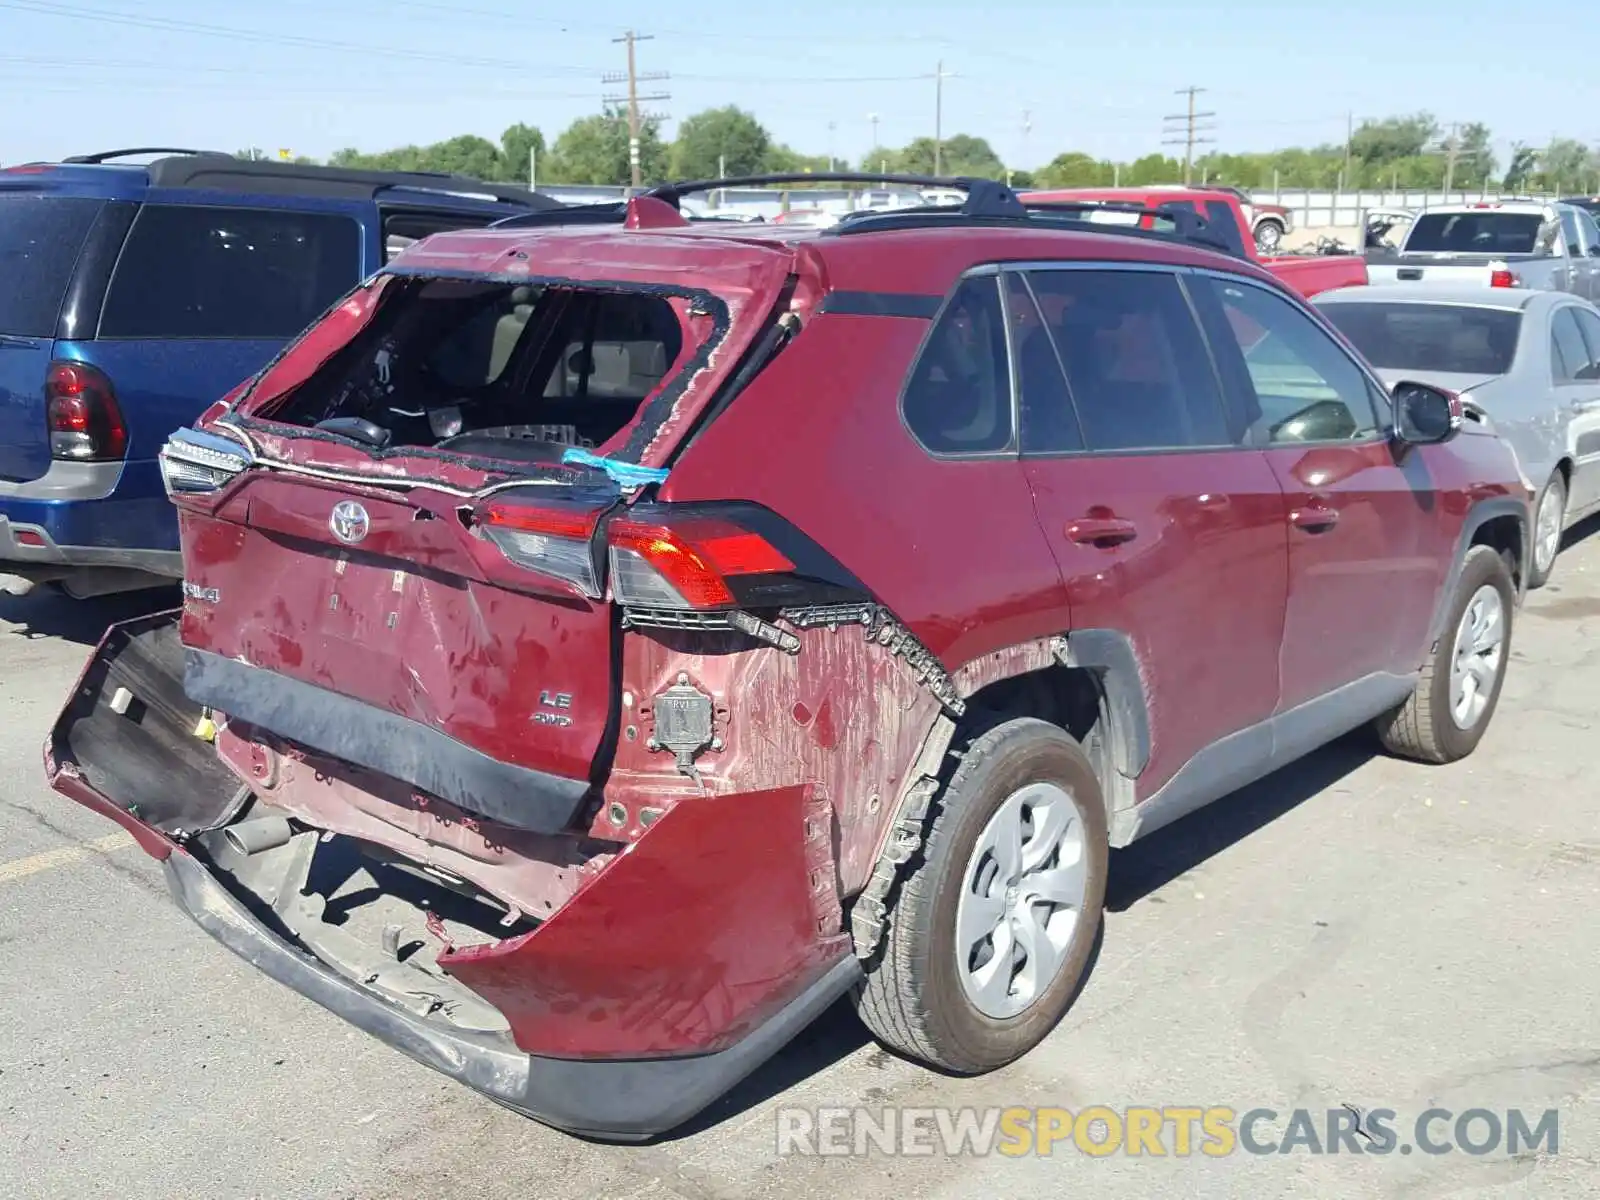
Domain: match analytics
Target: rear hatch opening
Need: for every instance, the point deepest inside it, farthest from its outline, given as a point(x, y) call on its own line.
point(509, 373)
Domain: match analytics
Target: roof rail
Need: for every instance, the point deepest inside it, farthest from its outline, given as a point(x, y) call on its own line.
point(672, 192)
point(607, 212)
point(1187, 227)
point(224, 172)
point(988, 203)
point(108, 155)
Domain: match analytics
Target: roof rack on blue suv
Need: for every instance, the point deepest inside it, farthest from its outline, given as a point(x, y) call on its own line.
point(137, 294)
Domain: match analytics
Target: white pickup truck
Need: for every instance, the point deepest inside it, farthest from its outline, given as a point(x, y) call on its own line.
point(1523, 243)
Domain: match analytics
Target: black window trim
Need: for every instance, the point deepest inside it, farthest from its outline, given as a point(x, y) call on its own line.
point(1384, 422)
point(1178, 271)
point(111, 278)
point(989, 271)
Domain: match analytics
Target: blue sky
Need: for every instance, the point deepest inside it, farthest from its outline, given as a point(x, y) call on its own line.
point(315, 75)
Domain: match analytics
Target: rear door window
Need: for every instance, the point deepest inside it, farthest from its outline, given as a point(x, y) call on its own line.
point(40, 237)
point(1136, 365)
point(212, 272)
point(1569, 354)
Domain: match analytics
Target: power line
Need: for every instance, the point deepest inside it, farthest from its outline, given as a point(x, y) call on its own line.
point(233, 34)
point(1191, 128)
point(634, 99)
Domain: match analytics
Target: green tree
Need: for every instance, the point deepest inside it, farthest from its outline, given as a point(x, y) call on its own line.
point(720, 140)
point(1565, 165)
point(1075, 169)
point(519, 146)
point(594, 150)
point(1153, 168)
point(1392, 138)
point(961, 154)
point(1524, 159)
point(1477, 164)
point(879, 158)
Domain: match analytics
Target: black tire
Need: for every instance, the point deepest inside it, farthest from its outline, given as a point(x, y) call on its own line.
point(1423, 728)
point(1556, 492)
point(913, 999)
point(1269, 237)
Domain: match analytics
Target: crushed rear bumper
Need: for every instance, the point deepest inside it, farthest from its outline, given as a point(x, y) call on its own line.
point(679, 965)
point(607, 1099)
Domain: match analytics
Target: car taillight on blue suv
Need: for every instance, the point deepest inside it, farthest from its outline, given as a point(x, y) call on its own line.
point(86, 424)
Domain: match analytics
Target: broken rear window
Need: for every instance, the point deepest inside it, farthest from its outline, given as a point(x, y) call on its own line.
point(502, 370)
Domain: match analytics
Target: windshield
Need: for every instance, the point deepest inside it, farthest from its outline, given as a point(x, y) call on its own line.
point(1477, 232)
point(1457, 338)
point(40, 237)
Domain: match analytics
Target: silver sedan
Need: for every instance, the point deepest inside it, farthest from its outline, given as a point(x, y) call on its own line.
point(1530, 360)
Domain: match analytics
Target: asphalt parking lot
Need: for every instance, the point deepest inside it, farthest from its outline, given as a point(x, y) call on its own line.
point(1353, 930)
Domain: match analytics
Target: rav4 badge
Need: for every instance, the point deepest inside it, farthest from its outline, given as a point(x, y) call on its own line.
point(349, 522)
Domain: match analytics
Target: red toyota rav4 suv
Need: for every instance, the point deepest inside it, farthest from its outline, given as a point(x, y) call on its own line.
point(606, 641)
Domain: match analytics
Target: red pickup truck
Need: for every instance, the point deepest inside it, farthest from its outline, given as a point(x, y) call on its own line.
point(1308, 274)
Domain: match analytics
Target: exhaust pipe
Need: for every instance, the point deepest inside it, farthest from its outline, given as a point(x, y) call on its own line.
point(255, 836)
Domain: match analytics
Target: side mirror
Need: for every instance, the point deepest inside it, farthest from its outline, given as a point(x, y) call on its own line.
point(1425, 415)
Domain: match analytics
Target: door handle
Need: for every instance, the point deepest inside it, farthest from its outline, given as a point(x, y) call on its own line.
point(1315, 518)
point(1104, 532)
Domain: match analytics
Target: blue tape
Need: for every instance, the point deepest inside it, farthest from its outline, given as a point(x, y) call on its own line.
point(624, 474)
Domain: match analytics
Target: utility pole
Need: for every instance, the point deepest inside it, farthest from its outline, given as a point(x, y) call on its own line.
point(832, 127)
point(1027, 128)
point(633, 99)
point(1452, 151)
point(872, 119)
point(1349, 141)
point(939, 76)
point(1186, 129)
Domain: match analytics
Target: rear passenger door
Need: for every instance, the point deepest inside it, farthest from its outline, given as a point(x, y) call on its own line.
point(1364, 527)
point(205, 293)
point(1165, 527)
point(1575, 366)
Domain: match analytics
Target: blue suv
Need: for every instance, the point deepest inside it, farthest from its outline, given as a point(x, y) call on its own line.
point(133, 296)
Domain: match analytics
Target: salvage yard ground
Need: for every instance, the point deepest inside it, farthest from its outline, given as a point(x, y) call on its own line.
point(1354, 929)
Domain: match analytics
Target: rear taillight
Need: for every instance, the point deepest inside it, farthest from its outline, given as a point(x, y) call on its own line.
point(195, 462)
point(85, 422)
point(687, 564)
point(555, 540)
point(664, 558)
point(1502, 278)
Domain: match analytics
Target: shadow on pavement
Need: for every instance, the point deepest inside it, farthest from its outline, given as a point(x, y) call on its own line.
point(48, 613)
point(1164, 855)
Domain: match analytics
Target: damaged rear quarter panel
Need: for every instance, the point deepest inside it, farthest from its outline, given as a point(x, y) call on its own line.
point(844, 718)
point(683, 944)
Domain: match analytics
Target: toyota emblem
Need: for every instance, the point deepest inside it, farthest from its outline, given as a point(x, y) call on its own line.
point(349, 522)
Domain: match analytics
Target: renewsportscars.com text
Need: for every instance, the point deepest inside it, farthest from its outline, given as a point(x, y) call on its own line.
point(1171, 1130)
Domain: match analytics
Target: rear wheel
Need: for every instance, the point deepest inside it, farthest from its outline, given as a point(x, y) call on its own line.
point(1269, 237)
point(994, 927)
point(1549, 518)
point(1446, 716)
